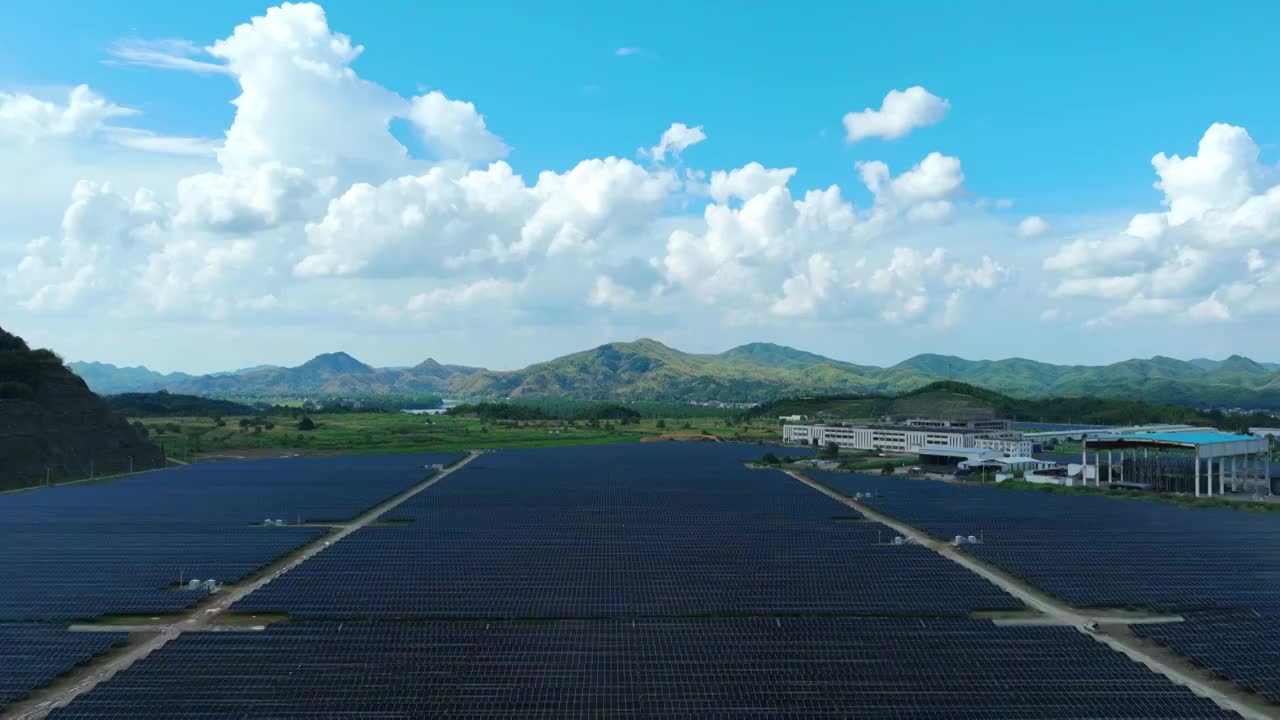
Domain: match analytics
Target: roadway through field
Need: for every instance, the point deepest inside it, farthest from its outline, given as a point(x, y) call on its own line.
point(1106, 628)
point(82, 680)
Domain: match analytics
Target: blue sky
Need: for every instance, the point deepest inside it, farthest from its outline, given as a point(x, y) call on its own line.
point(1057, 109)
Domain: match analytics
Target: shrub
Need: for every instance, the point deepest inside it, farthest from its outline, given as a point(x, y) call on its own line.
point(14, 390)
point(306, 423)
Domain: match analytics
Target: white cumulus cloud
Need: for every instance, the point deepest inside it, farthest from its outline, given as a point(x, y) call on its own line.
point(747, 181)
point(675, 140)
point(309, 207)
point(1033, 227)
point(454, 129)
point(1222, 205)
point(26, 118)
point(901, 112)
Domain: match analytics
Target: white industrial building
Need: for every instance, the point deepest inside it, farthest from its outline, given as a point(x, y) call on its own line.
point(947, 455)
point(904, 440)
point(1006, 443)
point(1009, 464)
point(977, 424)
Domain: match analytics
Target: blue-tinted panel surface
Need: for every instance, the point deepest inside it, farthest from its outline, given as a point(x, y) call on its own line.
point(1096, 551)
point(662, 529)
point(78, 551)
point(1244, 648)
point(1220, 567)
point(33, 655)
point(727, 668)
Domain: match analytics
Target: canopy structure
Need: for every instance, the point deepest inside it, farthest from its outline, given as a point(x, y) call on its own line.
point(1177, 461)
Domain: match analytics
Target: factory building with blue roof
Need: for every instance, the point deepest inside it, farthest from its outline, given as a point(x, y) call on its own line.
point(1201, 461)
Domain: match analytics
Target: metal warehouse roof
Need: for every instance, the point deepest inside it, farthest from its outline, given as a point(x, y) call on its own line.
point(953, 450)
point(1208, 443)
point(1185, 438)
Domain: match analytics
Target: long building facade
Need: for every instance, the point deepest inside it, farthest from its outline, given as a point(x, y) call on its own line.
point(905, 439)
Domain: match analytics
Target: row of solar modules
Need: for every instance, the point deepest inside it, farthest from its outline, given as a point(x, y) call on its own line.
point(639, 530)
point(1217, 566)
point(1096, 551)
point(123, 547)
point(1241, 647)
point(32, 656)
point(293, 489)
point(129, 546)
point(84, 575)
point(763, 667)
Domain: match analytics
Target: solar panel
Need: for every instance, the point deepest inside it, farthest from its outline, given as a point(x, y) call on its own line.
point(650, 668)
point(648, 580)
point(1218, 566)
point(32, 656)
point(668, 529)
point(126, 546)
point(1241, 647)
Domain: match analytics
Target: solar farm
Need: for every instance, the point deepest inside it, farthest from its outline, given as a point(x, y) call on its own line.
point(646, 580)
point(1218, 568)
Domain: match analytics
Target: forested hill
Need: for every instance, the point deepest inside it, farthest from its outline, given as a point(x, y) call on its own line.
point(950, 399)
point(52, 426)
point(647, 370)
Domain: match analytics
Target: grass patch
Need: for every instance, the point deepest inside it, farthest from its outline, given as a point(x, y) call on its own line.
point(116, 620)
point(1023, 614)
point(877, 463)
point(394, 432)
point(239, 618)
point(1188, 501)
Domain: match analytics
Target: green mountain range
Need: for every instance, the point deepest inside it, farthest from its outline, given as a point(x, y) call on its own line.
point(647, 370)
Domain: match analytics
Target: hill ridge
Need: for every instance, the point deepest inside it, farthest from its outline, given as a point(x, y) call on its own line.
point(647, 369)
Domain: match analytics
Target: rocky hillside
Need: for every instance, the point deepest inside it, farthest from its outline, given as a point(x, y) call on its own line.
point(52, 426)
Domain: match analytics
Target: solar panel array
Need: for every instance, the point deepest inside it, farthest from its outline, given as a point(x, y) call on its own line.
point(31, 656)
point(1241, 647)
point(79, 551)
point(659, 530)
point(1095, 551)
point(121, 547)
point(656, 580)
point(645, 668)
point(1218, 566)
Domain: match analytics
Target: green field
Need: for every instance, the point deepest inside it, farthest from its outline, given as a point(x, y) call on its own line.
point(393, 432)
